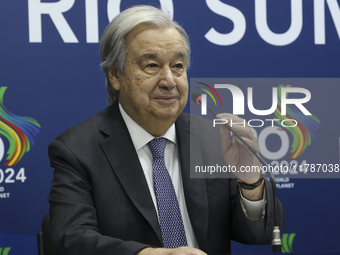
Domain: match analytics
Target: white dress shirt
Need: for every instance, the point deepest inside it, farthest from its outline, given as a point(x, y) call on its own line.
point(140, 138)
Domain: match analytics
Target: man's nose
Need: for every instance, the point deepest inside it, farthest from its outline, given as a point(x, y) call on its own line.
point(167, 80)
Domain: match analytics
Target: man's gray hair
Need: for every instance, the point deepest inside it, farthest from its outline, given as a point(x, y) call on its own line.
point(112, 44)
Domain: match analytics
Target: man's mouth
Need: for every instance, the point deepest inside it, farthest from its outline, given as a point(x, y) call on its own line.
point(166, 99)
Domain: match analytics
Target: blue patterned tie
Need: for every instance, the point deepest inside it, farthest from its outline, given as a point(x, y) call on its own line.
point(169, 214)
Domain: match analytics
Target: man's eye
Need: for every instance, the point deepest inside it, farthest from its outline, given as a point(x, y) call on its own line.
point(152, 65)
point(178, 66)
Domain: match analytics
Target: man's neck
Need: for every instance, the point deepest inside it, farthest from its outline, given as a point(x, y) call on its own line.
point(154, 126)
point(140, 136)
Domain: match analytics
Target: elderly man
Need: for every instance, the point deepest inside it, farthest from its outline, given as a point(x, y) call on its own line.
point(121, 181)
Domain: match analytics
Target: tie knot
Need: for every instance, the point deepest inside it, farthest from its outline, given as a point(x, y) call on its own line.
point(157, 147)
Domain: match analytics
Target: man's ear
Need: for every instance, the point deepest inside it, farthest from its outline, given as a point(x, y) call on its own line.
point(114, 78)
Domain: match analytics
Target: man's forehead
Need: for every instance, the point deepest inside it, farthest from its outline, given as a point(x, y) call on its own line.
point(155, 55)
point(144, 36)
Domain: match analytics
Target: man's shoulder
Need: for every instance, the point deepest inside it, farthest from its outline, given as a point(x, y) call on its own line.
point(90, 127)
point(195, 122)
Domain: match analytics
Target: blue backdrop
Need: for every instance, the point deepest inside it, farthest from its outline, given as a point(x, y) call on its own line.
point(50, 66)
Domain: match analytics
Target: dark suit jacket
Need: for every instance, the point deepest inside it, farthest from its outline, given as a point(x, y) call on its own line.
point(100, 202)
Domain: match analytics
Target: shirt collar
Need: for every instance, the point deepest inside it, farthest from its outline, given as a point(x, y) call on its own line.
point(140, 136)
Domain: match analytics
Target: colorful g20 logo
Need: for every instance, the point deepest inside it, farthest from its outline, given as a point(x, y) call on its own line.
point(18, 131)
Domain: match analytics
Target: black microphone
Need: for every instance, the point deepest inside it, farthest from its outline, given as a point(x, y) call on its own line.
point(196, 96)
point(276, 242)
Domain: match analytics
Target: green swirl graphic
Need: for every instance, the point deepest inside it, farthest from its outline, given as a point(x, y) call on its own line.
point(6, 251)
point(287, 242)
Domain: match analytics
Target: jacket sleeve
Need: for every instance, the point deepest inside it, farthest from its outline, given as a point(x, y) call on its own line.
point(248, 231)
point(73, 216)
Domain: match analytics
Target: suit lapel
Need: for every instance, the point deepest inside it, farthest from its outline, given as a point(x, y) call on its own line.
point(194, 189)
point(118, 145)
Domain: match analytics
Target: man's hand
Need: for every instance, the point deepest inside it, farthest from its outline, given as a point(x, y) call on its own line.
point(178, 251)
point(234, 151)
point(237, 154)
